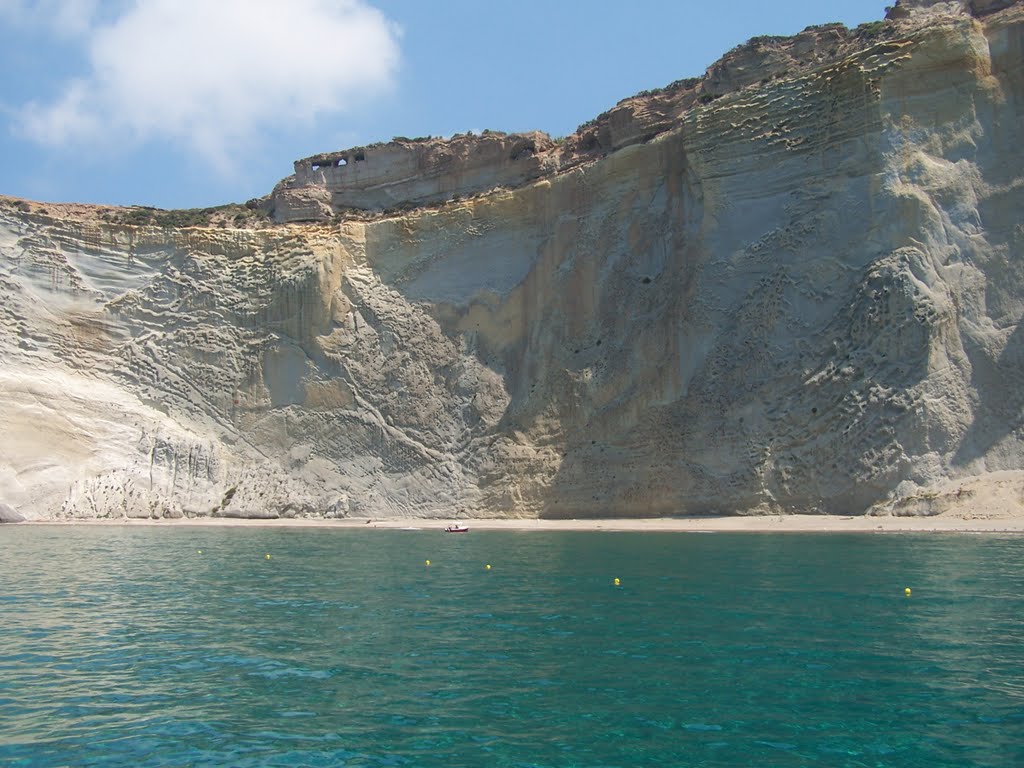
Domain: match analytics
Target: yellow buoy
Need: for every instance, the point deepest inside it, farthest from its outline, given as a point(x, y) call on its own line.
point(616, 582)
point(267, 556)
point(199, 551)
point(487, 567)
point(426, 562)
point(907, 591)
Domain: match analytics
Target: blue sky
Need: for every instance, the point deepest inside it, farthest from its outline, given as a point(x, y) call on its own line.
point(192, 103)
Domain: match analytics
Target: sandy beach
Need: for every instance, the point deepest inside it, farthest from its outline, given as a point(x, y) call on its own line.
point(945, 523)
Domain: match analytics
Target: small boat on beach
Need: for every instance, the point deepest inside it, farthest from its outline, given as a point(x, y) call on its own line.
point(456, 528)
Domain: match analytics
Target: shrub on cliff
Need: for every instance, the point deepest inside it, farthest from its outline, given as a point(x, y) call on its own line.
point(872, 30)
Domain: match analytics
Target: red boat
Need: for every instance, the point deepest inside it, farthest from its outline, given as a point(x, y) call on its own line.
point(456, 528)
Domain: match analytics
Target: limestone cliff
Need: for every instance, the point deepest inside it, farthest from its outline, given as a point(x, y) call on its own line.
point(793, 285)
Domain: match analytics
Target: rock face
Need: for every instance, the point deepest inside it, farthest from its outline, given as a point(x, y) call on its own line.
point(802, 294)
point(8, 515)
point(405, 173)
point(409, 173)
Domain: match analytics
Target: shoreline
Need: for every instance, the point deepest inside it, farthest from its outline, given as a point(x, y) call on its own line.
point(945, 523)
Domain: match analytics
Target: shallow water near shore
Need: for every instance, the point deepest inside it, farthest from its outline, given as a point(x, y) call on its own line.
point(130, 647)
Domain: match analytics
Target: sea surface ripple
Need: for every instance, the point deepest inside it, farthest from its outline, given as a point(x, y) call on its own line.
point(192, 647)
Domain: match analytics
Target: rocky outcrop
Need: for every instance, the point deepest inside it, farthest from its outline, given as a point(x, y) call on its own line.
point(410, 173)
point(801, 295)
point(9, 515)
point(407, 173)
point(904, 9)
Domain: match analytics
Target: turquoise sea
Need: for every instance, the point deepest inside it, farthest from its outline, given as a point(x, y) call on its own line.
point(127, 647)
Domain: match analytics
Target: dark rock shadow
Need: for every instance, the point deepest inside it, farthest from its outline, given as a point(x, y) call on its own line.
point(9, 515)
point(1000, 387)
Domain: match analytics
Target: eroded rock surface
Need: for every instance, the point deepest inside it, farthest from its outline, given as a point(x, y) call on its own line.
point(803, 294)
point(9, 515)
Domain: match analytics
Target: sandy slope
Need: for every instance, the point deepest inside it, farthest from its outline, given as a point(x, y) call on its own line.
point(946, 523)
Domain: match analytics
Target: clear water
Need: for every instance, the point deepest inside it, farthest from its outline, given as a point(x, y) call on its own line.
point(126, 647)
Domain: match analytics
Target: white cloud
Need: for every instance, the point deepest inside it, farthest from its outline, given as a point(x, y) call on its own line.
point(65, 18)
point(212, 75)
